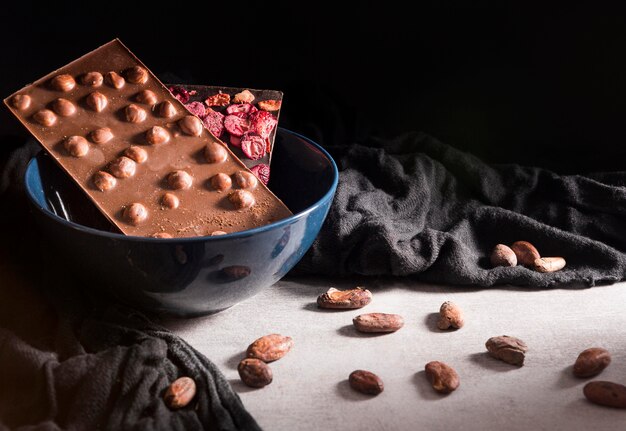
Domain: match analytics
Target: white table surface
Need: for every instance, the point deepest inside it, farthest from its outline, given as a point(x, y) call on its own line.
point(310, 389)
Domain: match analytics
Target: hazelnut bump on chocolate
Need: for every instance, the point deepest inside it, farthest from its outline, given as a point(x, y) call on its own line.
point(114, 80)
point(45, 117)
point(166, 109)
point(122, 167)
point(92, 79)
point(190, 125)
point(241, 199)
point(21, 102)
point(170, 201)
point(161, 235)
point(135, 113)
point(63, 83)
point(214, 152)
point(135, 213)
point(245, 180)
point(179, 180)
point(221, 182)
point(101, 135)
point(136, 75)
point(97, 101)
point(104, 181)
point(136, 153)
point(157, 135)
point(76, 146)
point(63, 107)
point(147, 97)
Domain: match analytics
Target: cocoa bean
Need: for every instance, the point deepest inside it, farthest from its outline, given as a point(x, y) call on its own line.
point(607, 394)
point(270, 347)
point(344, 299)
point(548, 264)
point(450, 315)
point(502, 255)
point(366, 382)
point(180, 393)
point(442, 377)
point(591, 362)
point(255, 373)
point(378, 322)
point(525, 252)
point(507, 349)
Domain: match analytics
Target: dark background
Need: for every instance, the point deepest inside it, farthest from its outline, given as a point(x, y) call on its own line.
point(542, 87)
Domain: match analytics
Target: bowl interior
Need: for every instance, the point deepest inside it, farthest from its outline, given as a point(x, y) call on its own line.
point(301, 175)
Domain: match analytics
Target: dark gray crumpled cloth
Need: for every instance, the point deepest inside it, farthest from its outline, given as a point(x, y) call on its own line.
point(415, 206)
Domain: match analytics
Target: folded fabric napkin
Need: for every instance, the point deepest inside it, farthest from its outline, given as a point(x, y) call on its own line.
point(415, 206)
point(72, 359)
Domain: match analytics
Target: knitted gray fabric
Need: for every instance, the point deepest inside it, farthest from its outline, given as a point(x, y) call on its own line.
point(415, 206)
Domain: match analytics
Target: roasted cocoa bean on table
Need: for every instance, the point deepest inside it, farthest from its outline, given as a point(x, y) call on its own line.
point(507, 349)
point(607, 394)
point(270, 347)
point(366, 382)
point(344, 299)
point(450, 315)
point(378, 322)
point(591, 362)
point(442, 377)
point(255, 373)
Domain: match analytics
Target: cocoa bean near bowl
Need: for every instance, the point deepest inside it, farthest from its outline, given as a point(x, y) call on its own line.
point(607, 394)
point(344, 299)
point(366, 382)
point(591, 362)
point(525, 252)
point(270, 347)
point(508, 349)
point(443, 378)
point(303, 176)
point(255, 373)
point(180, 393)
point(378, 322)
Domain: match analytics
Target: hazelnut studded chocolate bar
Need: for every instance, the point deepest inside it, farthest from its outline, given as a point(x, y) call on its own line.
point(150, 166)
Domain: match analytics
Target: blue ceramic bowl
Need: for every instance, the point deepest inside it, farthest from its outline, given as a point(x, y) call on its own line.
point(188, 276)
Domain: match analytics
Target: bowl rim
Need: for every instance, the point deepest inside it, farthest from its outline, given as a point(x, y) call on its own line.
point(241, 234)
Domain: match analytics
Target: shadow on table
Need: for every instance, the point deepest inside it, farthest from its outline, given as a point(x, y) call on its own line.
point(239, 387)
point(344, 390)
point(424, 387)
point(350, 331)
point(567, 379)
point(486, 361)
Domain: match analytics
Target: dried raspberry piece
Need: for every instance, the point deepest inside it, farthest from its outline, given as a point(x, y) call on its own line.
point(196, 108)
point(245, 108)
point(214, 122)
point(262, 123)
point(219, 99)
point(235, 141)
point(180, 93)
point(236, 125)
point(268, 145)
point(262, 172)
point(270, 105)
point(253, 146)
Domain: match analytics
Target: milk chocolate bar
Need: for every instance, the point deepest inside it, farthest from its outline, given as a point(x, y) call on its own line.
point(244, 118)
point(148, 164)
